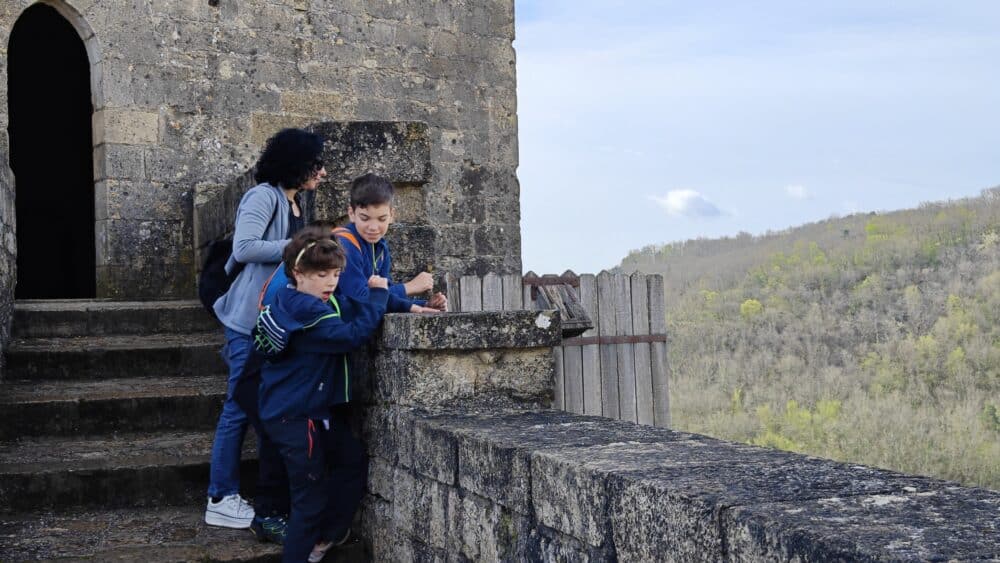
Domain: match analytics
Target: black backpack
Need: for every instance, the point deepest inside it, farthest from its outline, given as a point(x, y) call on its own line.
point(214, 282)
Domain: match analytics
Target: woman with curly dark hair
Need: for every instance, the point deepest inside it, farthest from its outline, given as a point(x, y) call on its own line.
point(267, 216)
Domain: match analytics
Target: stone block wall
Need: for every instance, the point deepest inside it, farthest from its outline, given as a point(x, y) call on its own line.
point(186, 92)
point(8, 244)
point(457, 475)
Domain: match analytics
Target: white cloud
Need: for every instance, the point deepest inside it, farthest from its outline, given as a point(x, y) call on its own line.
point(797, 192)
point(687, 202)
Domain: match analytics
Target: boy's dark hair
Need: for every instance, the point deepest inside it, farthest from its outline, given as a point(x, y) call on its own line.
point(312, 250)
point(289, 158)
point(370, 189)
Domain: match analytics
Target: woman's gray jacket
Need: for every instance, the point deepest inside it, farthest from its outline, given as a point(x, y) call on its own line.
point(260, 250)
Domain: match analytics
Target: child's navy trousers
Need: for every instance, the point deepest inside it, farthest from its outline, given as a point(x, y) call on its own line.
point(327, 469)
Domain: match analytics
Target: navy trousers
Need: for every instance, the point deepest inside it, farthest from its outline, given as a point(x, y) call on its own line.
point(327, 470)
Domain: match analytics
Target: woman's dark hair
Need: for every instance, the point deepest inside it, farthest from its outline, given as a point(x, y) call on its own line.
point(289, 158)
point(312, 250)
point(370, 189)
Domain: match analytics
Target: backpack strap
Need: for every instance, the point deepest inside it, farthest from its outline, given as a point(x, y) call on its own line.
point(263, 290)
point(346, 234)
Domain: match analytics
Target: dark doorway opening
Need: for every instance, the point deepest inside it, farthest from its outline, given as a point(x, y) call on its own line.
point(51, 154)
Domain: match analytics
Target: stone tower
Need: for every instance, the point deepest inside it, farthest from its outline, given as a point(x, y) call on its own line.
point(179, 96)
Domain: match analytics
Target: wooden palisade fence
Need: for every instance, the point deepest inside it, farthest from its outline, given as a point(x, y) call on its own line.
point(618, 369)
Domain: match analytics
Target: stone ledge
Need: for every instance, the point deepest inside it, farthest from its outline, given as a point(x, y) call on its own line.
point(589, 487)
point(471, 331)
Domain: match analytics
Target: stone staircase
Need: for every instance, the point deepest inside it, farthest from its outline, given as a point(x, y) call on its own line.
point(107, 414)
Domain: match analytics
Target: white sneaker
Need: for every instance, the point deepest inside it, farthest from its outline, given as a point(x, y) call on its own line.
point(230, 512)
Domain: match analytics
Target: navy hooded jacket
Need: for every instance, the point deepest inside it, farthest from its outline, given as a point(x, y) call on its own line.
point(312, 373)
point(372, 259)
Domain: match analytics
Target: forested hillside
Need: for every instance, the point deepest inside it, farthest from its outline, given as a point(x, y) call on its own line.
point(873, 338)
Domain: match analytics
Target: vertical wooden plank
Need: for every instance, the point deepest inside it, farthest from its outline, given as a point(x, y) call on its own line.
point(471, 293)
point(572, 365)
point(643, 373)
point(609, 355)
point(573, 378)
point(492, 292)
point(513, 294)
point(526, 290)
point(451, 289)
point(529, 304)
point(559, 401)
point(625, 352)
point(591, 356)
point(658, 351)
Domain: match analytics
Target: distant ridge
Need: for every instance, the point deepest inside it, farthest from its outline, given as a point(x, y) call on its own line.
point(871, 338)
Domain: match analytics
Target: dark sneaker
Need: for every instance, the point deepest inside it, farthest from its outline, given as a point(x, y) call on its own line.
point(269, 529)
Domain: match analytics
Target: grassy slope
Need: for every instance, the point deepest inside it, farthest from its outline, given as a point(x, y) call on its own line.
point(869, 338)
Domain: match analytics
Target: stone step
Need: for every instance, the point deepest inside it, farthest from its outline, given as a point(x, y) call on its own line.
point(89, 317)
point(37, 408)
point(151, 535)
point(114, 471)
point(100, 357)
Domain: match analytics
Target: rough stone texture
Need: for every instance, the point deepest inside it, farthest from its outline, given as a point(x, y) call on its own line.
point(499, 376)
point(107, 356)
point(128, 469)
point(547, 485)
point(8, 246)
point(149, 535)
point(500, 358)
point(937, 525)
point(471, 331)
point(63, 318)
point(186, 91)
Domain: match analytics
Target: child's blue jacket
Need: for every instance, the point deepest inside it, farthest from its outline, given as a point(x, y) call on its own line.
point(312, 374)
point(372, 259)
point(354, 277)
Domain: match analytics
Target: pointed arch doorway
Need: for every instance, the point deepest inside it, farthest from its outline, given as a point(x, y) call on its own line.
point(51, 154)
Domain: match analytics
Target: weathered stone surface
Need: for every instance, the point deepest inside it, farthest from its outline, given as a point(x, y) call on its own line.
point(471, 331)
point(129, 469)
point(155, 535)
point(128, 127)
point(435, 452)
point(949, 523)
point(676, 509)
point(46, 319)
point(100, 357)
point(501, 376)
point(132, 404)
point(200, 88)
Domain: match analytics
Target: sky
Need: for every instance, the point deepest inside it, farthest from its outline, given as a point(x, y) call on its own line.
point(645, 122)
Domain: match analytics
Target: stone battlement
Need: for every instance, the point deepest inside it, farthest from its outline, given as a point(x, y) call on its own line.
point(454, 476)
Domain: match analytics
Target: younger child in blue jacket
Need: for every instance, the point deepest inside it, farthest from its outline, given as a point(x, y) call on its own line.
point(307, 331)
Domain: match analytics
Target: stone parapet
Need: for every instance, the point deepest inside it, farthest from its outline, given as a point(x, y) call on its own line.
point(498, 358)
point(471, 331)
point(467, 464)
point(501, 485)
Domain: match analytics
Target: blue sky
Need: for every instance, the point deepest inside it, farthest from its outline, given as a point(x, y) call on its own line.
point(644, 122)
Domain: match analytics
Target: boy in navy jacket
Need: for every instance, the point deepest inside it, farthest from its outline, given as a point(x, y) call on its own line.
point(370, 211)
point(306, 331)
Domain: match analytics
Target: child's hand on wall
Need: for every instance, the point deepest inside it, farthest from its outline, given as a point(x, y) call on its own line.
point(421, 283)
point(378, 281)
point(419, 309)
point(438, 301)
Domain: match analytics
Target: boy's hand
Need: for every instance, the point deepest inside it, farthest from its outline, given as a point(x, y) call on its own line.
point(419, 309)
point(438, 302)
point(378, 281)
point(422, 283)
